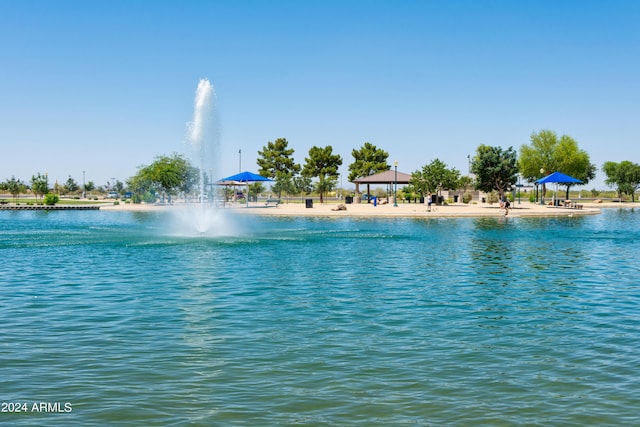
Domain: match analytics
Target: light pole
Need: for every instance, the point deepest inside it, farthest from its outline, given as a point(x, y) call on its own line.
point(542, 187)
point(239, 160)
point(84, 187)
point(395, 185)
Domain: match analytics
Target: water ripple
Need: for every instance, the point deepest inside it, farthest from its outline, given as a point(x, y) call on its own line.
point(302, 321)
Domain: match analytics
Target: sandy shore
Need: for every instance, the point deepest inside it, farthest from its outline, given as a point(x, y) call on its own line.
point(388, 210)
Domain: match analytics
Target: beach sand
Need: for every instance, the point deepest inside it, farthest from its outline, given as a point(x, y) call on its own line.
point(388, 210)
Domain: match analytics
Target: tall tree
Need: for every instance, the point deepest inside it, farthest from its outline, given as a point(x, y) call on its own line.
point(283, 183)
point(625, 176)
point(15, 187)
point(434, 177)
point(464, 181)
point(302, 184)
point(548, 153)
point(39, 185)
point(71, 186)
point(140, 184)
point(255, 188)
point(168, 174)
point(276, 157)
point(495, 168)
point(538, 159)
point(322, 164)
point(368, 160)
point(58, 188)
point(89, 186)
point(118, 186)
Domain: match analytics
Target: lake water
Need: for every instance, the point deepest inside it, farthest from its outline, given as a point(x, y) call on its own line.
point(115, 318)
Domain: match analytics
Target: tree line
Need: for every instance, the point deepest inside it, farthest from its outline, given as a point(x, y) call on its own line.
point(493, 169)
point(39, 187)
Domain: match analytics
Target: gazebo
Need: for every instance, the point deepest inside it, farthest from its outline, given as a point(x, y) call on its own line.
point(389, 177)
point(243, 178)
point(558, 178)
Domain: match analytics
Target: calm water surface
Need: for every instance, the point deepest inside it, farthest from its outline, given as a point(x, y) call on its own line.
point(320, 322)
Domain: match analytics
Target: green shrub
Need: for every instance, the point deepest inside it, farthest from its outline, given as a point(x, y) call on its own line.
point(467, 197)
point(51, 199)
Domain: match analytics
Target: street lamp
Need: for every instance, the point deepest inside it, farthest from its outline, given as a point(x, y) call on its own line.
point(395, 185)
point(84, 187)
point(541, 187)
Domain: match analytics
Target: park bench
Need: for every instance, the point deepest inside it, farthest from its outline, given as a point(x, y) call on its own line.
point(272, 202)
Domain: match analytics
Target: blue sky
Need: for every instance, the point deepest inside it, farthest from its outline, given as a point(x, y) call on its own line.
point(105, 86)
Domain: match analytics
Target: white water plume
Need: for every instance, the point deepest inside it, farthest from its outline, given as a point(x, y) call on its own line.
point(203, 218)
point(203, 137)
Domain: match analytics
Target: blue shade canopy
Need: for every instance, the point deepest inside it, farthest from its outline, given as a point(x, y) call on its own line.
point(558, 178)
point(246, 176)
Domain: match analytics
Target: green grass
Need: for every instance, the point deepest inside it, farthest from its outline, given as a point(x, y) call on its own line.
point(81, 202)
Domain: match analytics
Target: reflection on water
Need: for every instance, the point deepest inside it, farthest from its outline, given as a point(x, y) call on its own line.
point(490, 321)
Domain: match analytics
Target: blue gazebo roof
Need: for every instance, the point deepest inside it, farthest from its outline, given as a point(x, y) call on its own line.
point(558, 178)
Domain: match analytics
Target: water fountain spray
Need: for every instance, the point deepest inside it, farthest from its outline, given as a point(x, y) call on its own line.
point(202, 135)
point(202, 139)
